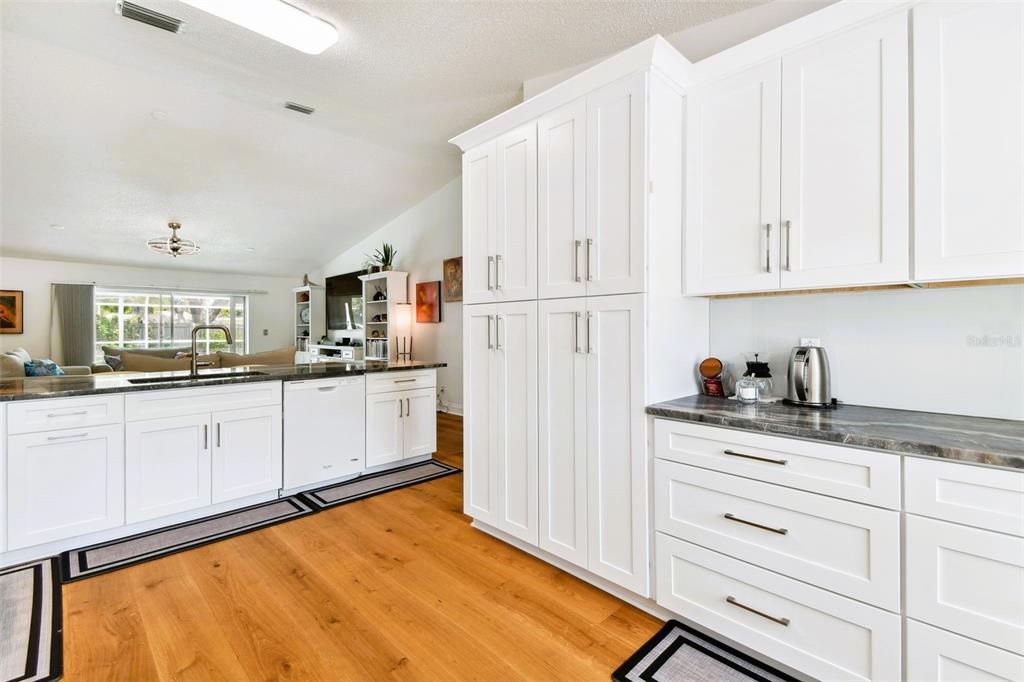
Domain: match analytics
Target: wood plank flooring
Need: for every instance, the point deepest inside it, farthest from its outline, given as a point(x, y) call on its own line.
point(393, 587)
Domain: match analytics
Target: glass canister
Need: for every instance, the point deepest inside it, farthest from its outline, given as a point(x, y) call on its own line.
point(756, 383)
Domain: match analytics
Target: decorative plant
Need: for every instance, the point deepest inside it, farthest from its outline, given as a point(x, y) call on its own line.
point(385, 255)
point(370, 264)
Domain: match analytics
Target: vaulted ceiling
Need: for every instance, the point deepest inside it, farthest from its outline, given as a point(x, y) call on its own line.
point(112, 128)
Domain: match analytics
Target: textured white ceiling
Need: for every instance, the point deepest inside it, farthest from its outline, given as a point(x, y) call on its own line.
point(81, 145)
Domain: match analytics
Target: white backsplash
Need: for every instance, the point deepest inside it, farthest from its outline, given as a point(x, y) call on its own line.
point(956, 350)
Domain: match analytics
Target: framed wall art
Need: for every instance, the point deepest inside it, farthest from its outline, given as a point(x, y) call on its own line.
point(12, 313)
point(428, 301)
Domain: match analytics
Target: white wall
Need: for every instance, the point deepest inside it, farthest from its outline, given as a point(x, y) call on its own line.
point(271, 311)
point(936, 350)
point(425, 235)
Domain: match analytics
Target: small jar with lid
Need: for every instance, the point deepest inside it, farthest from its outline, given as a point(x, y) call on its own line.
point(756, 383)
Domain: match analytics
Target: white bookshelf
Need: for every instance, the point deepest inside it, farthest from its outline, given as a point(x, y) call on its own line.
point(308, 330)
point(378, 340)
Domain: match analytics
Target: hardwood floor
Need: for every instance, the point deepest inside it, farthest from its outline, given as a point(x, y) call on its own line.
point(397, 586)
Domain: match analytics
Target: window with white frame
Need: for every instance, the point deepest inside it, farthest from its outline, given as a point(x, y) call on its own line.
point(159, 318)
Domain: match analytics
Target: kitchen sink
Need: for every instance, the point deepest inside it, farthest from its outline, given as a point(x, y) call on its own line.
point(201, 377)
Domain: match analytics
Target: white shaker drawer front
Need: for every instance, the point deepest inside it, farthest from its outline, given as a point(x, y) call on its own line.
point(383, 382)
point(182, 401)
point(966, 580)
point(33, 416)
point(819, 633)
point(841, 546)
point(935, 655)
point(975, 496)
point(849, 473)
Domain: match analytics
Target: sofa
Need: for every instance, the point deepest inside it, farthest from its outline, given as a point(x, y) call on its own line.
point(12, 366)
point(174, 359)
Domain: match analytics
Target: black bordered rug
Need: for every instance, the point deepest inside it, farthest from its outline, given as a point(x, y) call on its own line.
point(31, 622)
point(114, 554)
point(679, 653)
point(375, 484)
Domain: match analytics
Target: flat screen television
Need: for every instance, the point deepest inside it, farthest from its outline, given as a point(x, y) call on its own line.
point(345, 301)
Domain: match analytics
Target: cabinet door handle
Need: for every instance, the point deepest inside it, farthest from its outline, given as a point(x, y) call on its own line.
point(590, 245)
point(789, 238)
point(403, 381)
point(781, 621)
point(399, 408)
point(590, 346)
point(576, 261)
point(733, 453)
point(576, 331)
point(490, 261)
point(490, 344)
point(497, 333)
point(218, 434)
point(780, 531)
point(73, 435)
point(206, 437)
point(408, 408)
point(67, 414)
point(497, 272)
point(768, 247)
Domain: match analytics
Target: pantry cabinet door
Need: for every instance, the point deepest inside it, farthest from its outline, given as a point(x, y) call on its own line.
point(516, 364)
point(968, 140)
point(562, 427)
point(167, 466)
point(479, 435)
point(616, 187)
point(845, 158)
point(732, 208)
point(561, 201)
point(616, 436)
point(515, 244)
point(479, 212)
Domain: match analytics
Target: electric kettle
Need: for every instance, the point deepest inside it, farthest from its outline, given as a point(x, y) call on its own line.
point(808, 382)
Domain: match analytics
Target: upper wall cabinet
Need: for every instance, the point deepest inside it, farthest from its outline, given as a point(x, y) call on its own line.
point(799, 168)
point(591, 196)
point(499, 206)
point(968, 140)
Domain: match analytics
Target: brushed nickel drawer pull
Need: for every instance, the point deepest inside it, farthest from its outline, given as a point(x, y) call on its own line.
point(576, 331)
point(780, 531)
point(576, 261)
point(590, 245)
point(733, 453)
point(73, 435)
point(408, 408)
point(768, 247)
point(206, 437)
point(781, 621)
point(403, 381)
point(67, 414)
point(497, 272)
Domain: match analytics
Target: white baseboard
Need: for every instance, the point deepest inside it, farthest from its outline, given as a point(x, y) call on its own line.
point(454, 409)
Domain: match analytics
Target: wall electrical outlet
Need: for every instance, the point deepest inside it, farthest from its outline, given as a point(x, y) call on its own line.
point(814, 341)
point(266, 332)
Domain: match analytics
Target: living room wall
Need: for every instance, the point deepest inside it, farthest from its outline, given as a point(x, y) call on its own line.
point(271, 311)
point(425, 235)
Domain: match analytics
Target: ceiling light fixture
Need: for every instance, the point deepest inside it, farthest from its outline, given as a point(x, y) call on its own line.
point(174, 245)
point(276, 20)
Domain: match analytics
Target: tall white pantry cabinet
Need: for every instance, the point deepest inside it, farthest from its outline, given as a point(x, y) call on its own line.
point(575, 319)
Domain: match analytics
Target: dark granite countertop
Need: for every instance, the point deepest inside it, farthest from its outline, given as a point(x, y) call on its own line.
point(996, 442)
point(119, 382)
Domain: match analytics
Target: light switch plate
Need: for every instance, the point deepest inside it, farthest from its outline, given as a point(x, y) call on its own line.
point(810, 341)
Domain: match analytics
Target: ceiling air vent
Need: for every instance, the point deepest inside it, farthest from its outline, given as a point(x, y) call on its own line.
point(129, 10)
point(301, 108)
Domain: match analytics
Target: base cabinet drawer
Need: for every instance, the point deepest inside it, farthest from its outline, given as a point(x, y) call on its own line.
point(966, 580)
point(382, 382)
point(844, 472)
point(992, 499)
point(818, 633)
point(935, 655)
point(845, 547)
point(34, 416)
point(64, 483)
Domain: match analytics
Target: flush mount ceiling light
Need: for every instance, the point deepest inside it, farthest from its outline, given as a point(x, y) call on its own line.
point(274, 19)
point(174, 245)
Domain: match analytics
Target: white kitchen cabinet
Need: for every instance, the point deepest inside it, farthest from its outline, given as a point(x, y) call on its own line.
point(501, 447)
point(733, 150)
point(64, 483)
point(968, 140)
point(983, 497)
point(966, 580)
point(324, 429)
point(167, 466)
point(845, 158)
point(400, 425)
point(935, 655)
point(593, 486)
point(561, 201)
point(616, 187)
point(246, 452)
point(479, 213)
point(515, 242)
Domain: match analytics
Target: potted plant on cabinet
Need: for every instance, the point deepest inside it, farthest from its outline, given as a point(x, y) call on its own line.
point(385, 255)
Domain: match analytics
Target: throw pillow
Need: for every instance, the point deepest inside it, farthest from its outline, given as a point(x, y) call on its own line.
point(114, 362)
point(43, 368)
